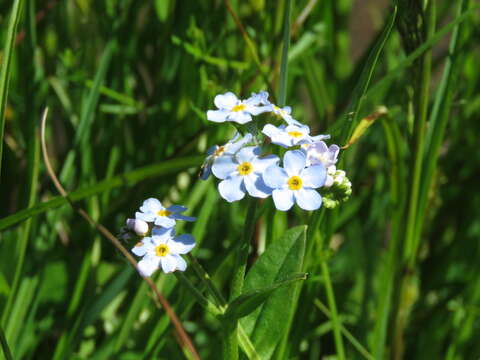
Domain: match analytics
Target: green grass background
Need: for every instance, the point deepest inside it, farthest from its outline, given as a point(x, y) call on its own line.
point(128, 83)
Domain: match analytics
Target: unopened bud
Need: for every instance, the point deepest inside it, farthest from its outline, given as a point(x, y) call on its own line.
point(140, 227)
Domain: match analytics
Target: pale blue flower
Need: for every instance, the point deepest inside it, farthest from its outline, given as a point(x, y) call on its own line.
point(295, 183)
point(243, 173)
point(152, 210)
point(287, 136)
point(163, 250)
point(230, 108)
point(229, 149)
point(320, 153)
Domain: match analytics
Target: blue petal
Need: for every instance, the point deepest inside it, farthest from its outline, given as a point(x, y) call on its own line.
point(224, 166)
point(314, 176)
point(275, 177)
point(308, 199)
point(283, 199)
point(294, 161)
point(164, 221)
point(256, 187)
point(217, 115)
point(232, 188)
point(247, 154)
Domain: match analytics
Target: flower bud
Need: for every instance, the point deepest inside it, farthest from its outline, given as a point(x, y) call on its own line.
point(140, 227)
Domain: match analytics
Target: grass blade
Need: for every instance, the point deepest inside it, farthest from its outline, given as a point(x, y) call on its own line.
point(129, 178)
point(6, 62)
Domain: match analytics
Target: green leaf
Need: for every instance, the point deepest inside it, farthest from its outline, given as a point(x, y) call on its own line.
point(248, 302)
point(129, 178)
point(267, 324)
point(6, 61)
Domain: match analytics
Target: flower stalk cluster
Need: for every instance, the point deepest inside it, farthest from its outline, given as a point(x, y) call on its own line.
point(304, 176)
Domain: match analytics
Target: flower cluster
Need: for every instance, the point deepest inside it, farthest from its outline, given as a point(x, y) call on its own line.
point(156, 242)
point(243, 166)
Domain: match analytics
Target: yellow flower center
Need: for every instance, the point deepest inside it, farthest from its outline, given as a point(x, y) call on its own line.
point(162, 250)
point(294, 183)
point(219, 151)
point(295, 134)
point(164, 213)
point(239, 107)
point(245, 168)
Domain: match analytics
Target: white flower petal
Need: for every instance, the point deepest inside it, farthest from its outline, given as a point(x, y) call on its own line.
point(224, 166)
point(275, 177)
point(262, 163)
point(151, 205)
point(164, 221)
point(294, 161)
point(247, 154)
point(181, 264)
point(256, 187)
point(217, 116)
point(308, 199)
point(233, 147)
point(257, 110)
point(270, 130)
point(283, 199)
point(240, 117)
point(168, 263)
point(148, 217)
point(148, 265)
point(314, 176)
point(225, 101)
point(232, 188)
point(182, 244)
point(144, 247)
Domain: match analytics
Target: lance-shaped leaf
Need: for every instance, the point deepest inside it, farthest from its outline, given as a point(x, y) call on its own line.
point(248, 302)
point(267, 324)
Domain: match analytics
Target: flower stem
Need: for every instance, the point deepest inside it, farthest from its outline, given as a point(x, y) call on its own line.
point(231, 327)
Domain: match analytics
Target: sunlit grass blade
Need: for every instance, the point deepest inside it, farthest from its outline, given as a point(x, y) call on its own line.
point(5, 67)
point(129, 178)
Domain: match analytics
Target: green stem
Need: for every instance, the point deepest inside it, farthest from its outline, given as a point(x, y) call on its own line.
point(411, 244)
point(231, 327)
point(202, 300)
point(348, 335)
point(207, 281)
point(4, 344)
point(282, 96)
point(337, 330)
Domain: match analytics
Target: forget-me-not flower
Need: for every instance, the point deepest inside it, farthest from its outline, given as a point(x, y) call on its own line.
point(230, 108)
point(229, 149)
point(287, 136)
point(243, 173)
point(152, 210)
point(295, 183)
point(320, 153)
point(163, 250)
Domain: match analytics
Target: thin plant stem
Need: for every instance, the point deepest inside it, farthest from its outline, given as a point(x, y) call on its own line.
point(411, 244)
point(241, 257)
point(337, 332)
point(406, 296)
point(183, 337)
point(207, 281)
point(348, 335)
point(282, 93)
point(4, 344)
